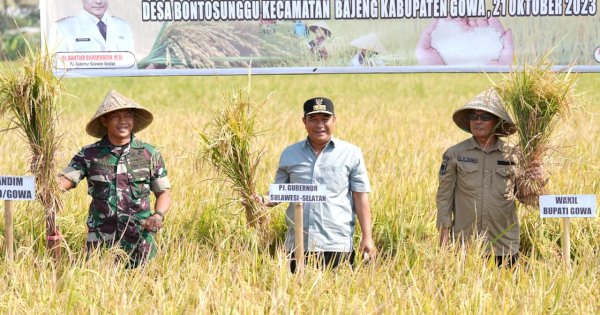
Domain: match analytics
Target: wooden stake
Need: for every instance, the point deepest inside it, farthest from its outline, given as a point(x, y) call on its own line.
point(299, 237)
point(8, 229)
point(566, 243)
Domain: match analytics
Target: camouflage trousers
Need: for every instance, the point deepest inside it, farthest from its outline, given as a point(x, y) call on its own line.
point(140, 247)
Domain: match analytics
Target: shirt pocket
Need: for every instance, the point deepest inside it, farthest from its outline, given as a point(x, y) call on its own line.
point(99, 178)
point(139, 183)
point(469, 176)
point(503, 181)
point(335, 178)
point(99, 190)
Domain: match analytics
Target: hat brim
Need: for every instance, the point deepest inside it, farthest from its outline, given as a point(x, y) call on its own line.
point(368, 43)
point(142, 118)
point(461, 119)
point(319, 112)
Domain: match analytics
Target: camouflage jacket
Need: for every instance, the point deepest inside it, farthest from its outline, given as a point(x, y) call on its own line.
point(119, 180)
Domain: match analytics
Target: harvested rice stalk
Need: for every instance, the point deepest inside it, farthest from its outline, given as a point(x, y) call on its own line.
point(537, 98)
point(228, 143)
point(30, 93)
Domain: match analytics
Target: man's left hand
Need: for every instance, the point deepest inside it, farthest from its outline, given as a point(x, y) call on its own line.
point(153, 223)
point(536, 173)
point(368, 247)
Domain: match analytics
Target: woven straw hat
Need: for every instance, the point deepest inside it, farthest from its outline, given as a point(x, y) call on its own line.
point(490, 102)
point(368, 42)
point(113, 102)
point(322, 25)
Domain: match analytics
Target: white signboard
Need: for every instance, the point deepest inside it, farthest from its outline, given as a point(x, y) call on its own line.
point(568, 206)
point(17, 187)
point(297, 193)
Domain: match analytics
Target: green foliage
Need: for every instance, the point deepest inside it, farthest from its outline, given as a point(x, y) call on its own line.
point(15, 45)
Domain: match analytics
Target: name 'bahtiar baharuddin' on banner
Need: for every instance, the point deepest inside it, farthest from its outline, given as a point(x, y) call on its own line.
point(180, 37)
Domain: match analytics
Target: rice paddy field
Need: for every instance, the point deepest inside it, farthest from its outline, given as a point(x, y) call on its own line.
point(210, 262)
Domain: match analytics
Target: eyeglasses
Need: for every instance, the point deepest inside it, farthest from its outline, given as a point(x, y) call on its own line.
point(483, 117)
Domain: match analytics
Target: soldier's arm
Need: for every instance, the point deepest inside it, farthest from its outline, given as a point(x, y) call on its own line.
point(74, 173)
point(163, 201)
point(65, 184)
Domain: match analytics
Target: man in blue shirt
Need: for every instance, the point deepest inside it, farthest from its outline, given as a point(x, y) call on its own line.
point(340, 167)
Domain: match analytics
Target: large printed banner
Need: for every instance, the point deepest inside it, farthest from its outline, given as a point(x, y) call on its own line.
point(184, 37)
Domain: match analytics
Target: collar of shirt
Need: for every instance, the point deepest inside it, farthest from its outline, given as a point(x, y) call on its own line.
point(499, 145)
point(93, 18)
point(134, 143)
point(331, 144)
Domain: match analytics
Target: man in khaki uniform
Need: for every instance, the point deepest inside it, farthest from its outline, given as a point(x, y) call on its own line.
point(477, 180)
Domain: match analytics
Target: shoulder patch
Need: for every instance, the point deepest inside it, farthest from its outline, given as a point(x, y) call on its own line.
point(466, 159)
point(444, 165)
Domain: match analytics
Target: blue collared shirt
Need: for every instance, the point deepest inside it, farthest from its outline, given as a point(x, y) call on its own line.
point(341, 168)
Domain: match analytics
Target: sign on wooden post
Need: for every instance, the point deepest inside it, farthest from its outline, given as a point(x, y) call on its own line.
point(566, 207)
point(14, 188)
point(298, 194)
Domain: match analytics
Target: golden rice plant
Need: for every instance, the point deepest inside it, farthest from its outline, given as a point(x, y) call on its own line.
point(229, 145)
point(536, 97)
point(202, 45)
point(29, 94)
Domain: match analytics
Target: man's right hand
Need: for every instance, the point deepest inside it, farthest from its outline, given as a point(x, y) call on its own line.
point(258, 199)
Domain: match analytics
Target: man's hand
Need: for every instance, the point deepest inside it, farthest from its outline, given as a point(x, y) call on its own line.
point(259, 200)
point(153, 223)
point(367, 247)
point(536, 172)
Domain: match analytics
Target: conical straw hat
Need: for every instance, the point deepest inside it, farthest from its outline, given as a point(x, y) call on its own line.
point(368, 42)
point(322, 25)
point(487, 101)
point(113, 102)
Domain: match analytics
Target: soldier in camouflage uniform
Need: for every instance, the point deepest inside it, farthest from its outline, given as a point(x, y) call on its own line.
point(121, 172)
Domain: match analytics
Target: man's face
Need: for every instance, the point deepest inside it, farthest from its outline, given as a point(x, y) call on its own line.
point(482, 123)
point(95, 7)
point(319, 127)
point(118, 124)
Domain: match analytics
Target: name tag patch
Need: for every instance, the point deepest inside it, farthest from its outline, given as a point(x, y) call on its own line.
point(82, 39)
point(466, 159)
point(505, 162)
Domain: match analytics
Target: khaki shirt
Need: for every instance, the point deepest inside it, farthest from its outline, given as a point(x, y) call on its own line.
point(474, 195)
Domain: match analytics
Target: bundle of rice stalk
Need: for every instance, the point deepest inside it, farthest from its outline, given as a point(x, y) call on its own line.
point(228, 145)
point(29, 94)
point(537, 98)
